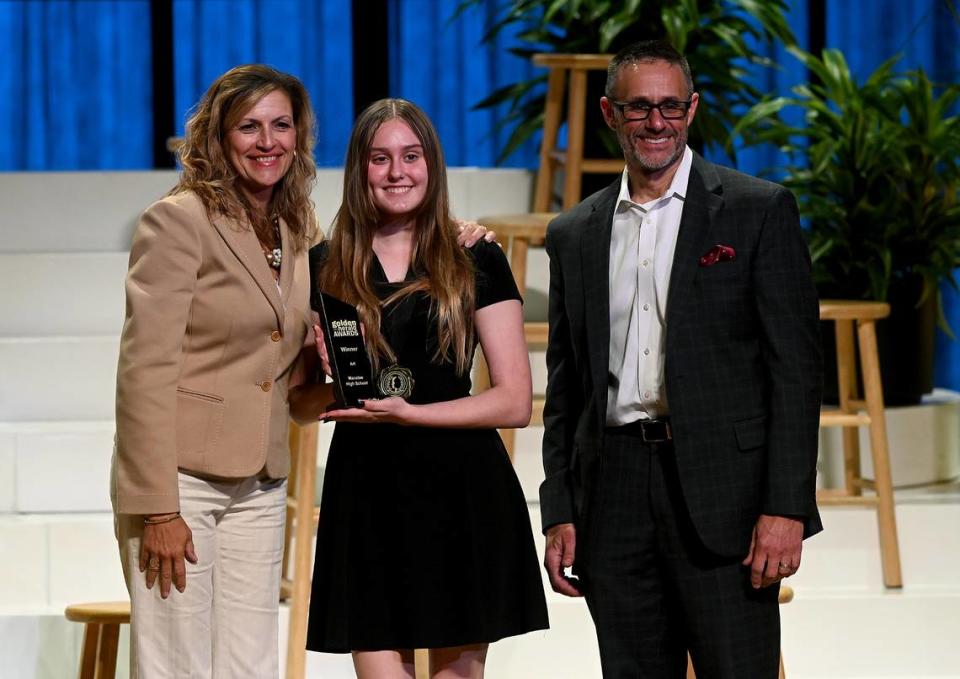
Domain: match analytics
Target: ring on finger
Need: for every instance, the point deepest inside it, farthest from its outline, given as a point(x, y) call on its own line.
point(784, 567)
point(153, 564)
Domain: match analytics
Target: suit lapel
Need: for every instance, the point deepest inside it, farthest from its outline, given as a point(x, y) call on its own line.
point(287, 263)
point(242, 240)
point(700, 207)
point(595, 253)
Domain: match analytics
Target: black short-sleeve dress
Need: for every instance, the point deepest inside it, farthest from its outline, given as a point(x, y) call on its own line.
point(424, 538)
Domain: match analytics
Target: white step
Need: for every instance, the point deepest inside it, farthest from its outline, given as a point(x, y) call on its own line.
point(829, 632)
point(62, 294)
point(902, 635)
point(76, 211)
point(57, 378)
point(845, 557)
point(48, 561)
point(56, 466)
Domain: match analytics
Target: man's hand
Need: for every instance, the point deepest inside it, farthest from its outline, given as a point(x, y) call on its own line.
point(162, 551)
point(560, 553)
point(774, 549)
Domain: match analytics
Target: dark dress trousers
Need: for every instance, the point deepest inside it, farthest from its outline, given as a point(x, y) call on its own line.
point(662, 528)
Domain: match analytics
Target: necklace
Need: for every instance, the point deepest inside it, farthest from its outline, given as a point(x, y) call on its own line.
point(276, 254)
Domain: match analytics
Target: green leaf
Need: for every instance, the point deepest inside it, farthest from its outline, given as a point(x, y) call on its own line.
point(611, 28)
point(712, 33)
point(521, 133)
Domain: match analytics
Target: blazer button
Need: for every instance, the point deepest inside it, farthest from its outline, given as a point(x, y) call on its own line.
point(265, 385)
point(276, 336)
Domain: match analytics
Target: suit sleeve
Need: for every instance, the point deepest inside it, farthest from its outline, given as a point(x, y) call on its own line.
point(789, 314)
point(164, 262)
point(563, 404)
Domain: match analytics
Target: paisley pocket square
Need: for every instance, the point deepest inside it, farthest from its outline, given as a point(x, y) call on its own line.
point(718, 253)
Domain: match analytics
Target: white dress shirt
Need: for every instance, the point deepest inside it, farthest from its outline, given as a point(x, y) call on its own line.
point(641, 257)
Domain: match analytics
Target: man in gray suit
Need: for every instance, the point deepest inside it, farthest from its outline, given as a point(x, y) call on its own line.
point(683, 395)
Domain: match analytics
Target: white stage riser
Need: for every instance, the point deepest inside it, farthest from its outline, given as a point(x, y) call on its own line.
point(823, 638)
point(44, 553)
point(834, 629)
point(55, 467)
point(52, 379)
point(62, 294)
point(62, 260)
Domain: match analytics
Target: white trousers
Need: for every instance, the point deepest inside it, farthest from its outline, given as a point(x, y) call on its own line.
point(224, 625)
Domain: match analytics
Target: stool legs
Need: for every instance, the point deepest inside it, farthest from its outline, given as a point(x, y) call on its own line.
point(88, 656)
point(576, 108)
point(421, 663)
point(99, 657)
point(305, 449)
point(873, 392)
point(551, 127)
point(518, 264)
point(847, 389)
point(850, 314)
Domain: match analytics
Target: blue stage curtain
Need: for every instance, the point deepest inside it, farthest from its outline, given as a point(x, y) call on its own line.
point(785, 73)
point(927, 34)
point(311, 40)
point(442, 66)
point(76, 85)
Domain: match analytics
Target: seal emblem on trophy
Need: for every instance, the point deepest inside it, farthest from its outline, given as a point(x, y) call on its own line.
point(396, 381)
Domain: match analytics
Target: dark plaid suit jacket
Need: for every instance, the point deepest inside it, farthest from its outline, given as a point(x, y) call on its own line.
point(743, 359)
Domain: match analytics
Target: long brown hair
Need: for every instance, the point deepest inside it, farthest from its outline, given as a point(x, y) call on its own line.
point(442, 269)
point(208, 172)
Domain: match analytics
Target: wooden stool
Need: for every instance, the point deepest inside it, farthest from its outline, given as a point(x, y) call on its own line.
point(785, 597)
point(519, 232)
point(101, 633)
point(850, 416)
point(298, 564)
point(575, 165)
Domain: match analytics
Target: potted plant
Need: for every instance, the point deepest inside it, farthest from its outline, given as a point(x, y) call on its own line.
point(715, 35)
point(876, 170)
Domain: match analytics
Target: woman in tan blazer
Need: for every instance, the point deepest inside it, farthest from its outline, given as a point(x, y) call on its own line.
point(217, 315)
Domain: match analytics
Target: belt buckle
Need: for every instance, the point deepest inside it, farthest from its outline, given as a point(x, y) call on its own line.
point(655, 431)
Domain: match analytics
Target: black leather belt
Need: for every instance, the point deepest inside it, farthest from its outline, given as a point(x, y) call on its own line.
point(650, 431)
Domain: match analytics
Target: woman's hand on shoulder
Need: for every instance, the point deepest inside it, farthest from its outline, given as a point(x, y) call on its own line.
point(392, 409)
point(468, 233)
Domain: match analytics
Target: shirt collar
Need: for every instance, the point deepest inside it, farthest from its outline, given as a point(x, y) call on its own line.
point(678, 187)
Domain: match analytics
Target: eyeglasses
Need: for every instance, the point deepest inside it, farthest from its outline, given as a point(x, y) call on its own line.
point(639, 110)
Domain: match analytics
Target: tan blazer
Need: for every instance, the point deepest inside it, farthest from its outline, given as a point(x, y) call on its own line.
point(207, 349)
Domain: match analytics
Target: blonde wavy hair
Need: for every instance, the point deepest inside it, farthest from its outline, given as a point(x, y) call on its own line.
point(441, 268)
point(208, 172)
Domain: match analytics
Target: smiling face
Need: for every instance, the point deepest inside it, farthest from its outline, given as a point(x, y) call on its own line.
point(655, 144)
point(397, 174)
point(261, 145)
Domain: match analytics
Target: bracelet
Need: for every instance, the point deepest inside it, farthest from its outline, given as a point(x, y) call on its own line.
point(166, 519)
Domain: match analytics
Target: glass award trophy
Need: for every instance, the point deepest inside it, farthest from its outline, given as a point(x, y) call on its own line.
point(349, 362)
